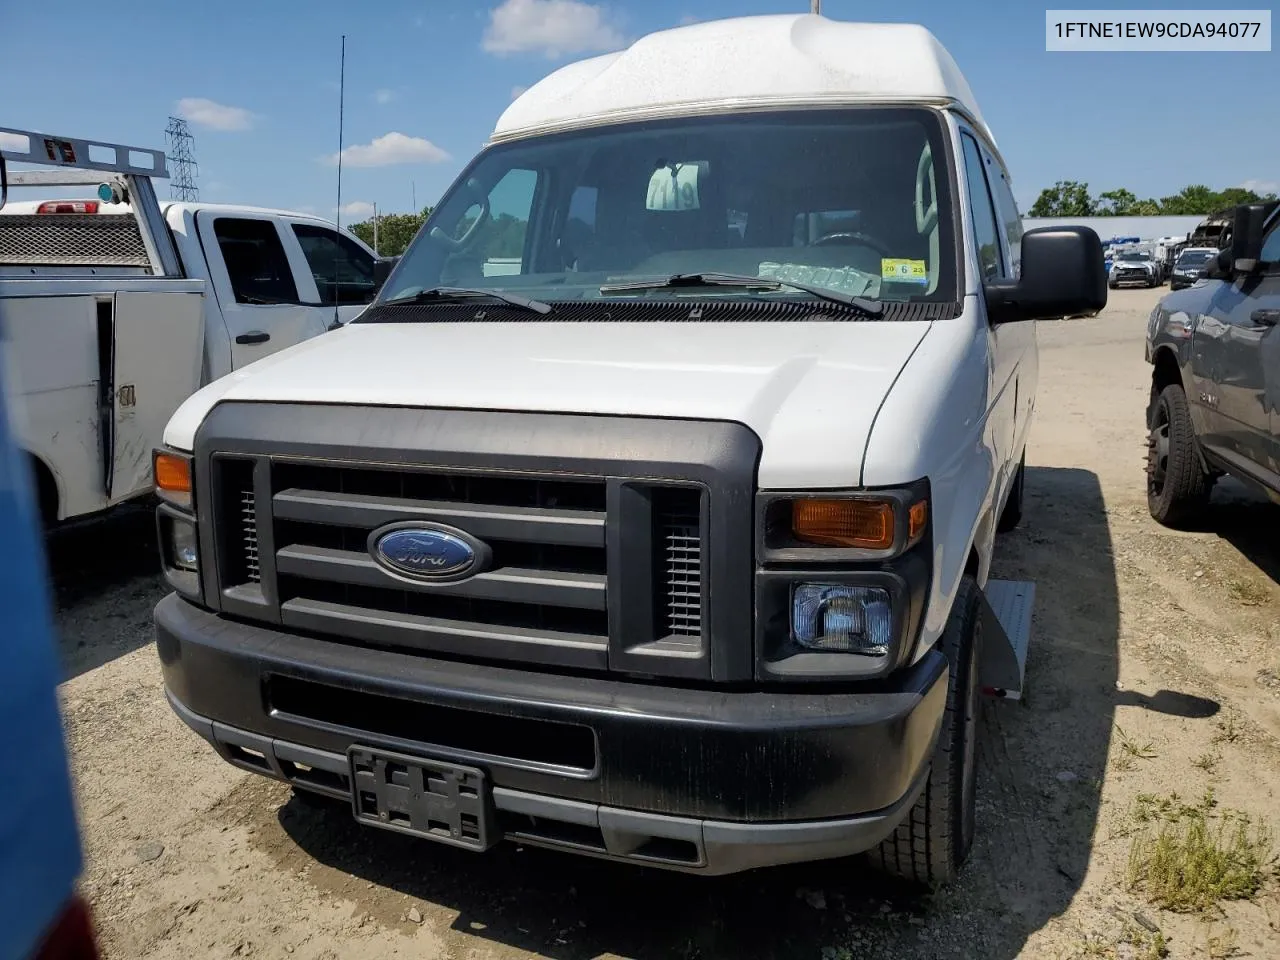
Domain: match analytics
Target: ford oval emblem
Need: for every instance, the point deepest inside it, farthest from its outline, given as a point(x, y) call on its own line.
point(427, 551)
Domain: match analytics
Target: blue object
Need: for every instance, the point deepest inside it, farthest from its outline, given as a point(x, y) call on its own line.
point(40, 854)
point(424, 552)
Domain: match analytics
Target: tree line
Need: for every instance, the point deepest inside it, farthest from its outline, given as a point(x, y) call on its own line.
point(1071, 198)
point(395, 230)
point(501, 236)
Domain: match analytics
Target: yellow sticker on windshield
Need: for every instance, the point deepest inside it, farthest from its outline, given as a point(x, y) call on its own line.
point(904, 271)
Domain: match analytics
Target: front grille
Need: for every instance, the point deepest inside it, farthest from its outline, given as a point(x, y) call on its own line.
point(544, 596)
point(594, 534)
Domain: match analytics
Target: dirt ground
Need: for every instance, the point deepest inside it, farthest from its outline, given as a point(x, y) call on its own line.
point(1154, 669)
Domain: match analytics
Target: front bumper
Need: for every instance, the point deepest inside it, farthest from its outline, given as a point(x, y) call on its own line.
point(700, 780)
point(1134, 280)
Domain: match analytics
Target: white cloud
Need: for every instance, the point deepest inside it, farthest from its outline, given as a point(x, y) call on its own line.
point(384, 95)
point(687, 19)
point(357, 209)
point(551, 27)
point(214, 115)
point(390, 149)
point(517, 91)
point(11, 141)
point(1262, 186)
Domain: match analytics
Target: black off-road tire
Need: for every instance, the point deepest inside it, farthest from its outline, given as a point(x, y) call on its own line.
point(1177, 485)
point(931, 844)
point(1011, 515)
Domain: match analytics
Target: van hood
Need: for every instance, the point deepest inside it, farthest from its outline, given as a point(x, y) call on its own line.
point(809, 390)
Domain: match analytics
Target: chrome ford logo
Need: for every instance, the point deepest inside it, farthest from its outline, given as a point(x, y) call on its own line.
point(427, 551)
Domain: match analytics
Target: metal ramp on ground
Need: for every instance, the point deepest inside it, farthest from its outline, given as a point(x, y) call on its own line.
point(1006, 628)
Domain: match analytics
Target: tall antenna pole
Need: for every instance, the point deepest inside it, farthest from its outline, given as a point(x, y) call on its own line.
point(815, 7)
point(413, 192)
point(342, 91)
point(375, 229)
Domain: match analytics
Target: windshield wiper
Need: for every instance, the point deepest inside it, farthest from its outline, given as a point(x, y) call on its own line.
point(864, 305)
point(455, 294)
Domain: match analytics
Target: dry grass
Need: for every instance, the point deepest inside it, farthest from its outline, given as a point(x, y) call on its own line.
point(1247, 593)
point(1228, 732)
point(1208, 762)
point(1189, 858)
point(1223, 946)
point(1131, 750)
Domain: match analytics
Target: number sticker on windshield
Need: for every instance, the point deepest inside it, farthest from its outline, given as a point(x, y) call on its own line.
point(904, 271)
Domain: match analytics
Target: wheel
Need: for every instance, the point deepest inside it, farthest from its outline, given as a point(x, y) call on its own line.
point(1011, 516)
point(1177, 485)
point(932, 843)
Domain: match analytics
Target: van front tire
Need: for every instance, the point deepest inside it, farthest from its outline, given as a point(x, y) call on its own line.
point(932, 843)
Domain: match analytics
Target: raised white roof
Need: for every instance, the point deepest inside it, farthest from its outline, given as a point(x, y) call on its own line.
point(721, 65)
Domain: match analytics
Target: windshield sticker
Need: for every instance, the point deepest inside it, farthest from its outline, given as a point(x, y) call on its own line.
point(904, 271)
point(844, 279)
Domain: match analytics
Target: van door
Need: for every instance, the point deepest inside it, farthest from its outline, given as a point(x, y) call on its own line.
point(255, 287)
point(156, 350)
point(340, 267)
point(1006, 343)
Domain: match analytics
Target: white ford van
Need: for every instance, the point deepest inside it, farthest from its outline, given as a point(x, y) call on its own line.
point(670, 544)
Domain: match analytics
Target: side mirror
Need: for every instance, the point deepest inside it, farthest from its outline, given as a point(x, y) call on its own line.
point(1063, 275)
point(1246, 235)
point(381, 270)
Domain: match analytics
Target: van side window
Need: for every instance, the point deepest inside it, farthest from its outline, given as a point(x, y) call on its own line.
point(990, 258)
point(1007, 207)
point(256, 261)
point(343, 271)
point(498, 246)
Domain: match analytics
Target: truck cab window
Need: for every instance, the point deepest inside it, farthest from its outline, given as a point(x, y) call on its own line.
point(1270, 254)
point(342, 270)
point(985, 234)
point(256, 261)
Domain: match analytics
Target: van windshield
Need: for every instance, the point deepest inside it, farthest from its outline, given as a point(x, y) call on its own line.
point(855, 201)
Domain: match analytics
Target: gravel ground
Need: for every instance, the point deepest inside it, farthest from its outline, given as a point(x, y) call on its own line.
point(1169, 642)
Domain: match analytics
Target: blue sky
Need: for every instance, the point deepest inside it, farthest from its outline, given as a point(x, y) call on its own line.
point(426, 79)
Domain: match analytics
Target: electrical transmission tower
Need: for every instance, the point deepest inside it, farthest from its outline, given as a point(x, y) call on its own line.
point(182, 185)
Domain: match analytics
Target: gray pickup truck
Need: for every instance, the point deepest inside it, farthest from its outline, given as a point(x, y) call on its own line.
point(1214, 348)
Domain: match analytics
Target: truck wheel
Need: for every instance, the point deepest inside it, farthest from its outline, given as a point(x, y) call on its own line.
point(930, 845)
point(1177, 486)
point(1011, 516)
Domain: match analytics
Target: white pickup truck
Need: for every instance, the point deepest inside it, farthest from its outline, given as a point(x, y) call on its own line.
point(117, 308)
point(672, 545)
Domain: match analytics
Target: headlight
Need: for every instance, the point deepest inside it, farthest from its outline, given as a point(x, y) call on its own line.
point(176, 527)
point(841, 582)
point(842, 618)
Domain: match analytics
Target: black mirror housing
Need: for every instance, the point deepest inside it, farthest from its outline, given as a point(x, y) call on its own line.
point(381, 270)
point(1064, 274)
point(1247, 227)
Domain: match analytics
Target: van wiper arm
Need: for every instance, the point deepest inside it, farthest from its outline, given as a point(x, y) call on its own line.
point(455, 294)
point(864, 305)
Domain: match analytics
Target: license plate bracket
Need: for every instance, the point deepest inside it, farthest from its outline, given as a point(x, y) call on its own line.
point(446, 802)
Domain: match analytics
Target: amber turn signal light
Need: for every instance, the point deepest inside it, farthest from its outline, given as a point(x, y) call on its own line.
point(173, 477)
point(867, 524)
point(917, 518)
